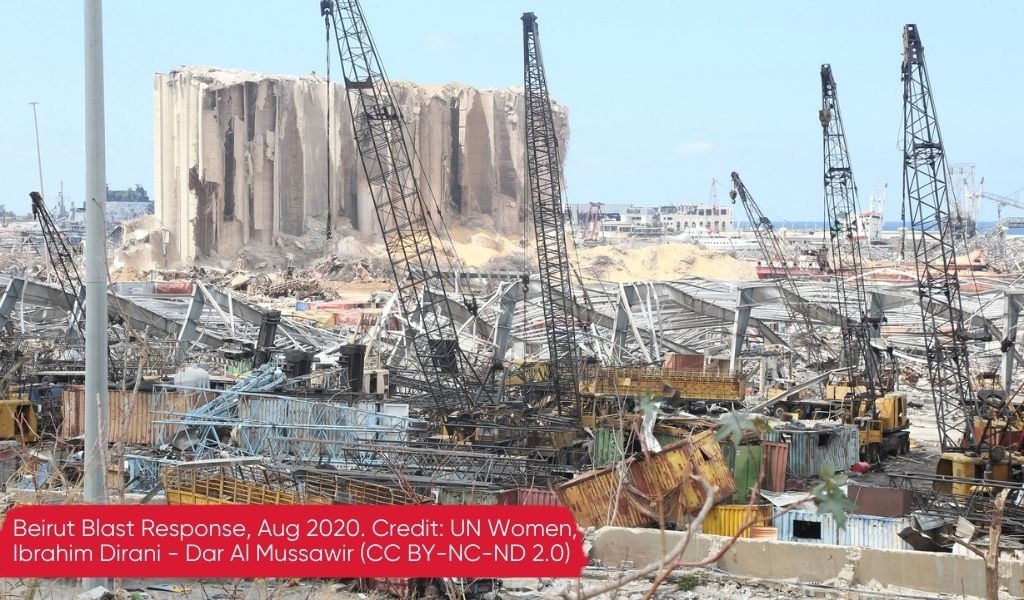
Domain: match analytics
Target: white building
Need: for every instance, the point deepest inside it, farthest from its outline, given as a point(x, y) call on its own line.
point(709, 218)
point(649, 220)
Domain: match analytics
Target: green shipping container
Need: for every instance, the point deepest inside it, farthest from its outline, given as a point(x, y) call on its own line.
point(607, 447)
point(745, 464)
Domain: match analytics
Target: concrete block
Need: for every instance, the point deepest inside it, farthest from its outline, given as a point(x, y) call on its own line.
point(935, 572)
point(772, 559)
point(615, 546)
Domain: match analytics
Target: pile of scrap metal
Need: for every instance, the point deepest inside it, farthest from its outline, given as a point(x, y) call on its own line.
point(652, 487)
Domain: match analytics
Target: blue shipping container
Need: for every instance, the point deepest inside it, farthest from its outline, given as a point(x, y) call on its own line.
point(806, 527)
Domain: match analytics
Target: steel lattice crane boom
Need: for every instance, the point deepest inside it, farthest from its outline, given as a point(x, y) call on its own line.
point(841, 210)
point(545, 193)
point(61, 258)
point(406, 219)
point(934, 239)
point(775, 258)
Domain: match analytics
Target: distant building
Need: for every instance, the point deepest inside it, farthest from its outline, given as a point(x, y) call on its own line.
point(627, 220)
point(693, 218)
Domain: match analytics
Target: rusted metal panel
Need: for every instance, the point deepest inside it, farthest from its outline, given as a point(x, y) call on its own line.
point(728, 519)
point(683, 362)
point(655, 487)
point(879, 501)
point(774, 466)
point(807, 527)
point(712, 464)
point(812, 450)
point(875, 532)
point(601, 497)
point(529, 497)
point(131, 414)
point(175, 288)
point(667, 475)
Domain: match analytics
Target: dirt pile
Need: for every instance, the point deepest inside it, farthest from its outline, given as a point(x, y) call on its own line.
point(620, 263)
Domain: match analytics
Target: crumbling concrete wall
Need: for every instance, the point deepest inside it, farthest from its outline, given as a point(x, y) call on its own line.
point(243, 158)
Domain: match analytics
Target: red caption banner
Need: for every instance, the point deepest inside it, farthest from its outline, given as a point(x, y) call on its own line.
point(339, 541)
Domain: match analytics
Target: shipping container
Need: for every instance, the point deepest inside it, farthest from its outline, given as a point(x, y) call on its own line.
point(600, 497)
point(868, 531)
point(729, 519)
point(807, 527)
point(467, 496)
point(833, 449)
point(745, 463)
point(132, 288)
point(18, 421)
point(173, 288)
point(608, 446)
point(775, 465)
point(668, 476)
point(131, 414)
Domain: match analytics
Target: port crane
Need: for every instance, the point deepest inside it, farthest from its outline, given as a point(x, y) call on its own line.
point(408, 222)
point(544, 186)
point(934, 231)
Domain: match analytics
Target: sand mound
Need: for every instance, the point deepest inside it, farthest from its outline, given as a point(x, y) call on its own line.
point(662, 262)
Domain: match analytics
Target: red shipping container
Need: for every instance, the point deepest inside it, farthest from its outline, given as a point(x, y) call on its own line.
point(175, 288)
point(529, 497)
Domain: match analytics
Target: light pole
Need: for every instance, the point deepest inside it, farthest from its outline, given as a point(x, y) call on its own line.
point(96, 398)
point(39, 153)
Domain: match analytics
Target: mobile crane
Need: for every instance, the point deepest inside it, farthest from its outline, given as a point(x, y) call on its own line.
point(871, 403)
point(544, 183)
point(406, 218)
point(967, 421)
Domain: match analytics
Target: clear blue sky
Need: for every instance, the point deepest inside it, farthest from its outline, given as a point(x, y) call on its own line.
point(663, 95)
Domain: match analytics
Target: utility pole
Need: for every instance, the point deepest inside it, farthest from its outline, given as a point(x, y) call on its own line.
point(96, 403)
point(39, 153)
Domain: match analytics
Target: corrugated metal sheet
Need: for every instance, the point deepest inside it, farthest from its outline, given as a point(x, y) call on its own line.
point(807, 527)
point(775, 465)
point(598, 498)
point(607, 446)
point(874, 532)
point(667, 474)
point(728, 519)
point(745, 464)
point(465, 496)
point(529, 497)
point(131, 414)
point(812, 450)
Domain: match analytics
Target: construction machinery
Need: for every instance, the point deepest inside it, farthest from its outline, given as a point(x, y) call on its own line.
point(966, 422)
point(61, 255)
point(408, 219)
point(815, 351)
point(883, 422)
point(814, 347)
point(544, 185)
